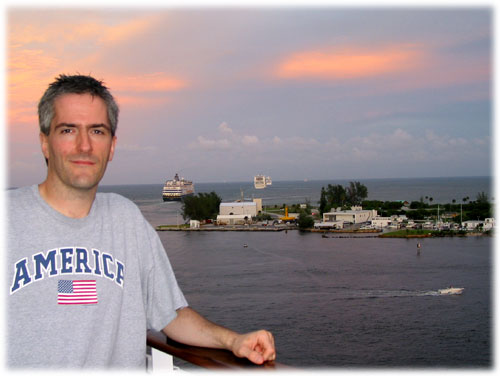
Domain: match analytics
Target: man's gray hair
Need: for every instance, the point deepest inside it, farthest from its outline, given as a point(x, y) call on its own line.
point(76, 84)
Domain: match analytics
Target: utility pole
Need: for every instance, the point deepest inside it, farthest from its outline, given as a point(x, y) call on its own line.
point(439, 222)
point(461, 215)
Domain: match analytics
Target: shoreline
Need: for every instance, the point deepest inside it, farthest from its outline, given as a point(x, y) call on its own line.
point(375, 233)
point(260, 228)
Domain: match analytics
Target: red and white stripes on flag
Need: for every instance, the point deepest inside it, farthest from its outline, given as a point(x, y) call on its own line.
point(77, 292)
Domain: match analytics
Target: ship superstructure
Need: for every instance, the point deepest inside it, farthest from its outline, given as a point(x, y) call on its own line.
point(261, 181)
point(177, 188)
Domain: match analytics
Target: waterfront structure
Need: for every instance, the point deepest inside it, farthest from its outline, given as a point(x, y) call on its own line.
point(238, 212)
point(354, 216)
point(193, 223)
point(394, 221)
point(381, 222)
point(487, 224)
point(248, 208)
point(177, 188)
point(235, 219)
point(258, 202)
point(335, 225)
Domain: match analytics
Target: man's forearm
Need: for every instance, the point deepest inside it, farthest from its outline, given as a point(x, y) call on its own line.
point(190, 328)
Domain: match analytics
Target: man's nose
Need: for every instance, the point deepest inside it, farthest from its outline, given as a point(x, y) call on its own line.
point(84, 142)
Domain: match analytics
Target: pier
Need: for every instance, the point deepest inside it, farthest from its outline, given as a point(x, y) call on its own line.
point(227, 228)
point(260, 228)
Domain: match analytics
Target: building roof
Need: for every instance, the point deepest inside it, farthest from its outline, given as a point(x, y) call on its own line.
point(232, 216)
point(245, 203)
point(349, 211)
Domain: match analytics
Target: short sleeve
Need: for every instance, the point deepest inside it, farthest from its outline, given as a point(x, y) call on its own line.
point(164, 297)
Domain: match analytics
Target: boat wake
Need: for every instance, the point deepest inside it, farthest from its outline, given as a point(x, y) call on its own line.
point(346, 293)
point(377, 294)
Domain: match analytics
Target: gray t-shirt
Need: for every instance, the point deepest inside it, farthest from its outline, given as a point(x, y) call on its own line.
point(83, 292)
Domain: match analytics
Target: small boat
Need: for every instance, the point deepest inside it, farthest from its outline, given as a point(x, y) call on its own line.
point(451, 291)
point(245, 245)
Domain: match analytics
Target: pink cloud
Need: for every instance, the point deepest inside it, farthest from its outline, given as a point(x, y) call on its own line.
point(392, 68)
point(348, 63)
point(152, 82)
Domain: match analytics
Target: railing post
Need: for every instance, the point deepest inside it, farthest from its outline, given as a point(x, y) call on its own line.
point(158, 361)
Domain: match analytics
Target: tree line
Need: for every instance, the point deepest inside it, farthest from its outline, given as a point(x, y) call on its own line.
point(335, 196)
point(480, 208)
point(201, 207)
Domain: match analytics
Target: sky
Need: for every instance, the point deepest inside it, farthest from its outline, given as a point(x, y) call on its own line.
point(224, 93)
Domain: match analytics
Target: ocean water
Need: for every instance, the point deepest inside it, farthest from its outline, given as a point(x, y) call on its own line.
point(339, 302)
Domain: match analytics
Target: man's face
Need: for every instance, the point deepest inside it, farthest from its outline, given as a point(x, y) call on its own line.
point(79, 144)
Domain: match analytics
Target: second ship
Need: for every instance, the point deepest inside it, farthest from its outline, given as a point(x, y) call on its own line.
point(261, 181)
point(177, 189)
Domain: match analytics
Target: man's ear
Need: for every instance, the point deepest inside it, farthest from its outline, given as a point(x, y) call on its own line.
point(44, 143)
point(112, 150)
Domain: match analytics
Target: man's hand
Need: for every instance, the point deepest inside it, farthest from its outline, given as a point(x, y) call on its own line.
point(190, 328)
point(258, 346)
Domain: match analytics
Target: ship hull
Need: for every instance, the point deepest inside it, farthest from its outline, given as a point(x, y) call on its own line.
point(176, 198)
point(177, 189)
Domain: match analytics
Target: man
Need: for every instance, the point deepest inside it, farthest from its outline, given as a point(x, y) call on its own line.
point(87, 273)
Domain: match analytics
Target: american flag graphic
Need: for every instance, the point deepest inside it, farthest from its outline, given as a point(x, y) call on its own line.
point(77, 292)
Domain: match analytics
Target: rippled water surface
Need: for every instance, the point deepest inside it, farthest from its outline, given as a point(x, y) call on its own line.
point(344, 302)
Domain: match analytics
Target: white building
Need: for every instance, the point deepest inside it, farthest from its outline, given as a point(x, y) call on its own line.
point(194, 223)
point(489, 223)
point(355, 215)
point(239, 212)
point(380, 222)
point(237, 208)
point(392, 221)
point(258, 202)
point(485, 225)
point(337, 225)
point(234, 219)
point(471, 225)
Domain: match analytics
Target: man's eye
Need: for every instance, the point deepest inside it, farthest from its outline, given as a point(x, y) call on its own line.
point(66, 130)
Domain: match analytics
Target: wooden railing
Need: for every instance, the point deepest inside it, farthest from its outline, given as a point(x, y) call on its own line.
point(204, 357)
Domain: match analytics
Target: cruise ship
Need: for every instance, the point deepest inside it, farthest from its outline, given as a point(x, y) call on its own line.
point(177, 189)
point(261, 181)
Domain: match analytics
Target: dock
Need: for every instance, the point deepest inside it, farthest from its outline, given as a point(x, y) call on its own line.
point(255, 228)
point(227, 228)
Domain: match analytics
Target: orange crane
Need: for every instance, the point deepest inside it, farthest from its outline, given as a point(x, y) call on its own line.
point(286, 218)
